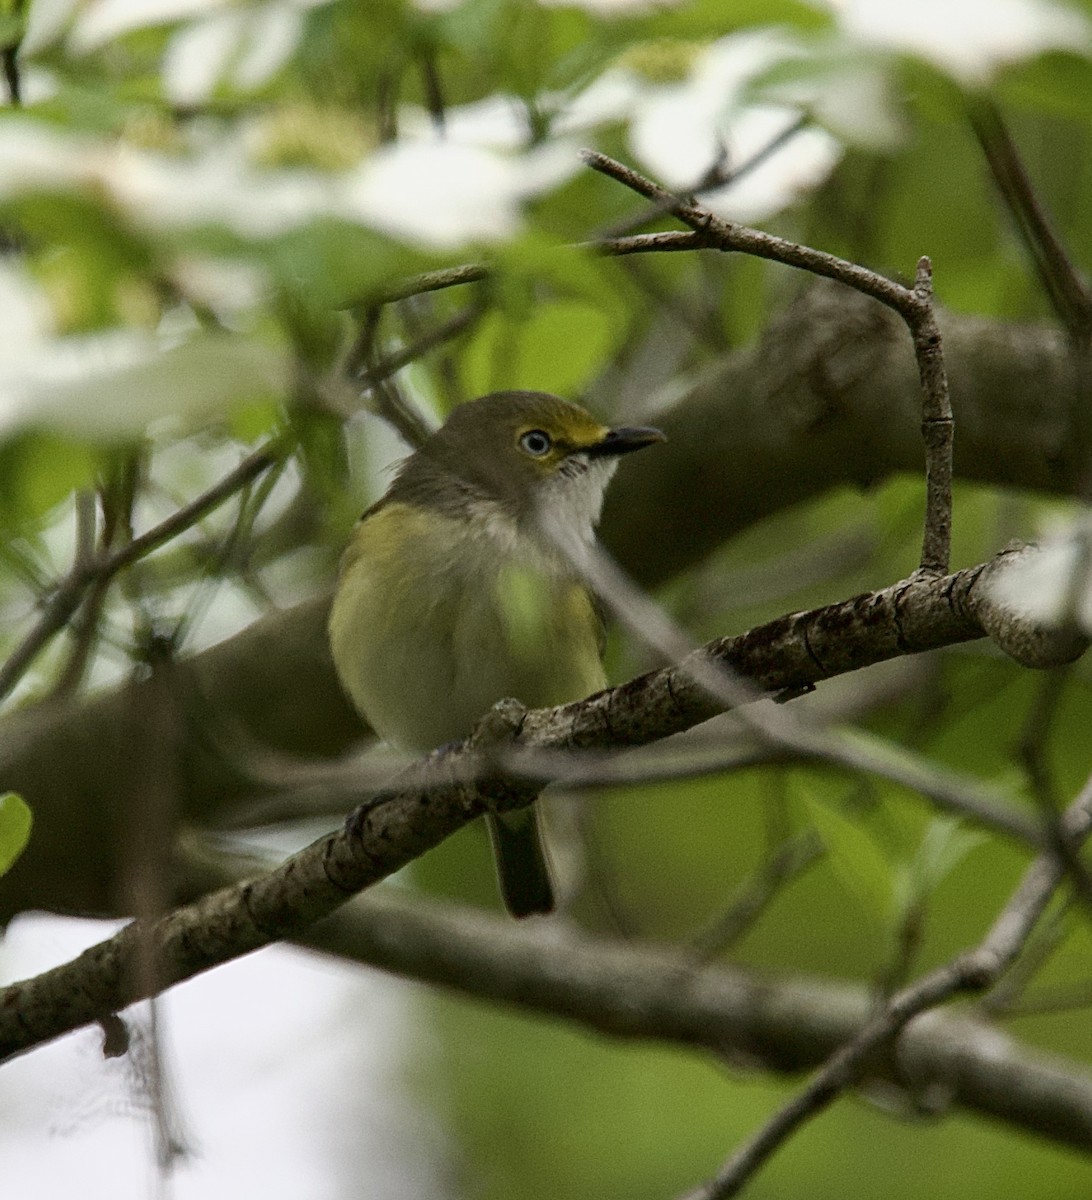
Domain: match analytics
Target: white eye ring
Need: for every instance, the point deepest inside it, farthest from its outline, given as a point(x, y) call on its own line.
point(536, 442)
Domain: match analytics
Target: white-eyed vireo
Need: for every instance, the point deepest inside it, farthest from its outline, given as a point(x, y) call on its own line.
point(462, 586)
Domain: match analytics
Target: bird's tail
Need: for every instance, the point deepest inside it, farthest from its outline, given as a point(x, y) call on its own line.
point(523, 871)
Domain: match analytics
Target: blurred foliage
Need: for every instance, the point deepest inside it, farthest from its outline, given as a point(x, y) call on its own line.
point(15, 824)
point(200, 216)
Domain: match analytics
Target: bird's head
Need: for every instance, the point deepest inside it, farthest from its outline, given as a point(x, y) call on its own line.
point(543, 461)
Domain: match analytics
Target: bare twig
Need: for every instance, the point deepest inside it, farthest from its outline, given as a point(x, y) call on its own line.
point(1067, 290)
point(715, 233)
point(431, 281)
point(1052, 998)
point(787, 862)
point(434, 92)
point(86, 622)
point(1033, 754)
point(373, 372)
point(382, 368)
point(1008, 997)
point(716, 678)
point(721, 174)
point(937, 424)
point(149, 829)
point(362, 364)
point(972, 971)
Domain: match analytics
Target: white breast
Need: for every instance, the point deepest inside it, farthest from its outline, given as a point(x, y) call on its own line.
point(569, 504)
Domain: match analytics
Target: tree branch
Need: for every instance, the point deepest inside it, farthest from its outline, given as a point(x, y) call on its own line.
point(447, 790)
point(631, 991)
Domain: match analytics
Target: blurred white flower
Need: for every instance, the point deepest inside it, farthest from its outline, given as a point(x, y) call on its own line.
point(36, 86)
point(1052, 582)
point(198, 56)
point(848, 92)
point(231, 289)
point(968, 39)
point(442, 193)
point(46, 22)
point(215, 187)
point(274, 33)
point(610, 97)
point(25, 330)
point(116, 384)
point(243, 46)
point(497, 122)
point(435, 191)
point(101, 21)
point(679, 131)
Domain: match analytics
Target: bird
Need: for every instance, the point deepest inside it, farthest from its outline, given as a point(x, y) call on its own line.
point(462, 586)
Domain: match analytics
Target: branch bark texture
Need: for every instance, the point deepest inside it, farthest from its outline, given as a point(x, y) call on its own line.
point(448, 790)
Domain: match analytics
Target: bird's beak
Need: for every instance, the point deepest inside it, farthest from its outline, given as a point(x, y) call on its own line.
point(624, 439)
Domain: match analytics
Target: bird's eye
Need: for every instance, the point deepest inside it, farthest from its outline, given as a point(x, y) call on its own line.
point(536, 442)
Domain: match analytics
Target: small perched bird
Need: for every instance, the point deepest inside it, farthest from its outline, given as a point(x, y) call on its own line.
point(462, 586)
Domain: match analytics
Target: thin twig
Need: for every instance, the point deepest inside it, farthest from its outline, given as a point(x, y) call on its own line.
point(1048, 1000)
point(720, 175)
point(727, 235)
point(449, 277)
point(86, 623)
point(631, 991)
point(9, 55)
point(786, 863)
point(373, 372)
point(937, 425)
point(1007, 998)
point(362, 364)
point(379, 369)
point(434, 92)
point(856, 751)
point(69, 593)
point(430, 281)
point(147, 846)
point(1066, 289)
point(974, 970)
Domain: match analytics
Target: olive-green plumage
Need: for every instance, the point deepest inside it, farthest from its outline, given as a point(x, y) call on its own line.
point(462, 586)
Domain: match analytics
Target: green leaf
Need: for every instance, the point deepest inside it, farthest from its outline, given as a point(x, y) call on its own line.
point(38, 470)
point(944, 845)
point(558, 347)
point(15, 823)
point(855, 858)
point(1057, 83)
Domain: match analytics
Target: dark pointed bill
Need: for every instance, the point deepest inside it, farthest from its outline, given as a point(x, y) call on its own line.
point(625, 439)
